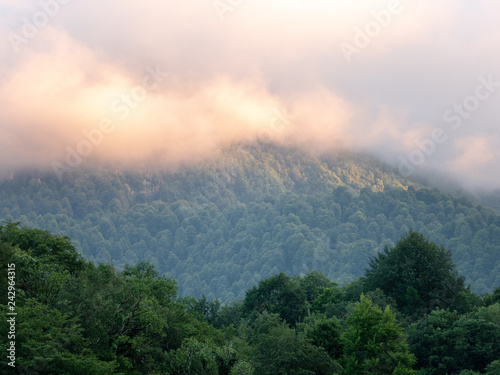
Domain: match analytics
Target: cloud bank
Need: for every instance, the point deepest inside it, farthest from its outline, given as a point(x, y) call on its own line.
point(171, 82)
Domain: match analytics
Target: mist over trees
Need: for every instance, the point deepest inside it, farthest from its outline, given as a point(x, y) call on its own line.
point(251, 213)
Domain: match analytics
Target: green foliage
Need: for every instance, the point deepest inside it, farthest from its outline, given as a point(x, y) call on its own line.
point(279, 294)
point(445, 342)
point(81, 318)
point(222, 226)
point(418, 275)
point(192, 358)
point(209, 311)
point(321, 292)
point(326, 334)
point(51, 342)
point(490, 299)
point(90, 319)
point(242, 368)
point(314, 284)
point(43, 244)
point(493, 368)
point(282, 350)
point(374, 343)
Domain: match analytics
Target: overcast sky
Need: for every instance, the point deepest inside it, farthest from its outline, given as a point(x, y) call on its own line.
point(415, 82)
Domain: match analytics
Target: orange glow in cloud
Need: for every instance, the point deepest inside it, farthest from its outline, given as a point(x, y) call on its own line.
point(229, 78)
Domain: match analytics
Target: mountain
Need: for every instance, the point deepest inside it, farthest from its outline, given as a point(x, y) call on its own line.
point(250, 212)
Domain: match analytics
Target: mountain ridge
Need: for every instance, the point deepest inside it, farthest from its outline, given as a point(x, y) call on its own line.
point(253, 211)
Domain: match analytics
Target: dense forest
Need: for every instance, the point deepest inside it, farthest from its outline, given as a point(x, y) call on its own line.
point(251, 212)
point(409, 313)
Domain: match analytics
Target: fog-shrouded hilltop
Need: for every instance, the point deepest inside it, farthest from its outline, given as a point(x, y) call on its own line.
point(234, 187)
point(390, 79)
point(250, 212)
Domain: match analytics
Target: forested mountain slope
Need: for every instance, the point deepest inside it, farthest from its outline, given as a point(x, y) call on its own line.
point(410, 313)
point(251, 212)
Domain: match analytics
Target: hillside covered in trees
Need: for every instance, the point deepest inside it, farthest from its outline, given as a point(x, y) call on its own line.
point(75, 317)
point(251, 212)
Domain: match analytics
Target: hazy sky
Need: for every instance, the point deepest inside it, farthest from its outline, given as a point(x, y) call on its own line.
point(415, 82)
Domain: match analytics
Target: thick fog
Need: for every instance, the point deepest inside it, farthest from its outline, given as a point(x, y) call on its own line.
point(167, 82)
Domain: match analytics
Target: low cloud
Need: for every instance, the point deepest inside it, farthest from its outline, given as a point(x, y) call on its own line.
point(269, 69)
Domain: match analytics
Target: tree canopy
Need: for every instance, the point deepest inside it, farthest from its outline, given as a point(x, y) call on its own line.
point(252, 212)
point(418, 275)
point(93, 319)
